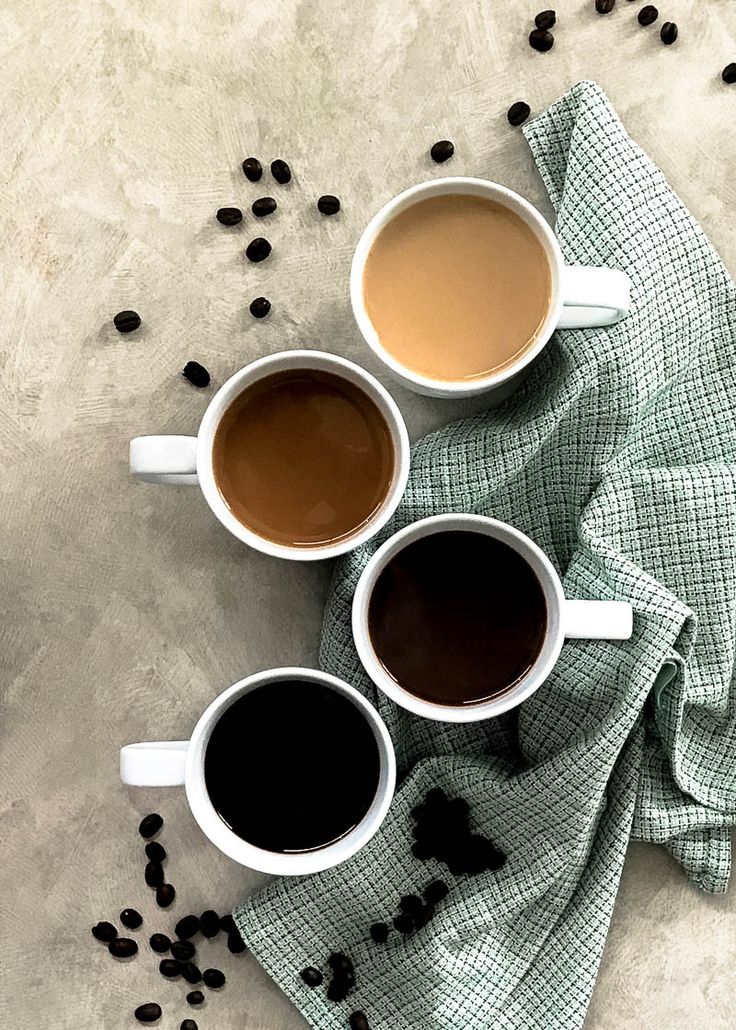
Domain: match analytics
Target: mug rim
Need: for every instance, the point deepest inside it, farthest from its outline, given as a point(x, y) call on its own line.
point(279, 863)
point(514, 695)
point(456, 184)
point(307, 359)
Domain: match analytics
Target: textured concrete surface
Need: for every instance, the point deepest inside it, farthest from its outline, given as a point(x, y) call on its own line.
point(126, 607)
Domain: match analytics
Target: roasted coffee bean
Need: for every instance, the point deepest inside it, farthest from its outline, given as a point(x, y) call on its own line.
point(213, 977)
point(668, 33)
point(281, 171)
point(148, 1013)
point(104, 932)
point(435, 891)
point(311, 976)
point(165, 895)
point(647, 15)
point(442, 151)
point(196, 374)
point(338, 990)
point(252, 169)
point(155, 852)
point(169, 968)
point(183, 950)
point(227, 923)
point(604, 6)
point(154, 874)
point(379, 932)
point(235, 943)
point(729, 74)
point(229, 215)
point(130, 918)
point(410, 904)
point(126, 321)
point(403, 923)
point(195, 998)
point(263, 206)
point(209, 923)
point(188, 1024)
point(518, 113)
point(122, 947)
point(545, 19)
point(541, 40)
point(358, 1021)
point(260, 307)
point(258, 249)
point(159, 942)
point(328, 205)
point(150, 825)
point(340, 963)
point(187, 927)
point(191, 973)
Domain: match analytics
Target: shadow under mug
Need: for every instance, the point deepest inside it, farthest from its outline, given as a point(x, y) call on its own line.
point(581, 296)
point(187, 460)
point(587, 620)
point(166, 763)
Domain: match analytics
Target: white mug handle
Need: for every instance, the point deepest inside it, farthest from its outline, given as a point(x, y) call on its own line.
point(154, 763)
point(598, 620)
point(165, 459)
point(593, 296)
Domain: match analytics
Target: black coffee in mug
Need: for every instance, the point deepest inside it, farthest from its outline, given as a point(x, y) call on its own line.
point(457, 617)
point(292, 766)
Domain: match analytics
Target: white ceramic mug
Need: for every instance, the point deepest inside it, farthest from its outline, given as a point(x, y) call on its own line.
point(187, 460)
point(181, 762)
point(581, 296)
point(589, 620)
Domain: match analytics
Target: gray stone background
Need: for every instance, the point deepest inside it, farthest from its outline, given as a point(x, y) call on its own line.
point(126, 607)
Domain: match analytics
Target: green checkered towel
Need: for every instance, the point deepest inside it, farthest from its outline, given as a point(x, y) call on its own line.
point(618, 456)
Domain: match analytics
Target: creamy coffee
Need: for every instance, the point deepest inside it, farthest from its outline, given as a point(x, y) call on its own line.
point(457, 287)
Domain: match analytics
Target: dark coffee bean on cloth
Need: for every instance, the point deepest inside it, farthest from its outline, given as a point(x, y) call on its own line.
point(379, 932)
point(311, 976)
point(281, 171)
point(155, 852)
point(126, 321)
point(541, 40)
point(195, 998)
point(187, 927)
point(252, 169)
point(518, 113)
point(159, 942)
point(154, 874)
point(213, 978)
point(442, 151)
point(169, 968)
point(130, 918)
point(435, 891)
point(604, 6)
point(148, 1013)
point(403, 923)
point(263, 206)
point(729, 74)
point(647, 15)
point(209, 923)
point(328, 205)
point(358, 1021)
point(545, 19)
point(258, 249)
point(122, 947)
point(196, 374)
point(165, 894)
point(150, 825)
point(410, 904)
point(104, 932)
point(182, 950)
point(668, 33)
point(229, 215)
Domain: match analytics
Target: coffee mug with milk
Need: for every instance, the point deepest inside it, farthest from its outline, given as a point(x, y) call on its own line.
point(459, 618)
point(302, 455)
point(289, 771)
point(457, 284)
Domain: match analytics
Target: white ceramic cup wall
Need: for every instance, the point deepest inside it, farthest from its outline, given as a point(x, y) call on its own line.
point(181, 762)
point(591, 620)
point(581, 296)
point(187, 460)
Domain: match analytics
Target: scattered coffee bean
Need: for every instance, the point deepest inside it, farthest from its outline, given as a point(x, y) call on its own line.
point(340, 963)
point(191, 973)
point(213, 978)
point(263, 206)
point(729, 74)
point(647, 15)
point(169, 968)
point(187, 927)
point(604, 6)
point(227, 923)
point(260, 307)
point(104, 932)
point(195, 998)
point(196, 374)
point(209, 923)
point(150, 825)
point(258, 249)
point(311, 976)
point(281, 171)
point(235, 943)
point(229, 215)
point(154, 874)
point(148, 1013)
point(338, 990)
point(404, 923)
point(130, 918)
point(668, 33)
point(358, 1021)
point(422, 918)
point(155, 852)
point(126, 321)
point(182, 950)
point(545, 19)
point(188, 1024)
point(252, 169)
point(518, 113)
point(411, 904)
point(442, 151)
point(165, 895)
point(328, 205)
point(379, 932)
point(122, 947)
point(435, 891)
point(159, 942)
point(541, 40)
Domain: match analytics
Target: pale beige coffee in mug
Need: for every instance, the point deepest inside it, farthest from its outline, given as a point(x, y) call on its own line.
point(457, 287)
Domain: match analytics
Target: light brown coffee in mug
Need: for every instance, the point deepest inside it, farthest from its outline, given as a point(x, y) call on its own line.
point(457, 287)
point(303, 458)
